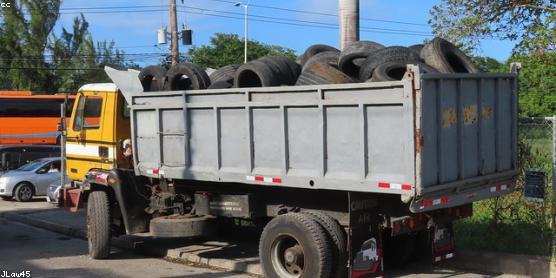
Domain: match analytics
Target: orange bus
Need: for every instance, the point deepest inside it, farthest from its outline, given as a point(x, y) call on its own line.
point(26, 118)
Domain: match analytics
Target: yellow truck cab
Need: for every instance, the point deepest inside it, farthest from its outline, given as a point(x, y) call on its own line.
point(99, 121)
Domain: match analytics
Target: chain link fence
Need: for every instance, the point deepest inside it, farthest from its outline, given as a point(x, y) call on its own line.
point(516, 223)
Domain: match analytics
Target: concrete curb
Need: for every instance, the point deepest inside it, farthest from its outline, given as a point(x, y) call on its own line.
point(513, 264)
point(129, 244)
point(484, 261)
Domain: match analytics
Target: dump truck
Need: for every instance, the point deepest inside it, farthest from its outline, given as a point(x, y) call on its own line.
point(340, 176)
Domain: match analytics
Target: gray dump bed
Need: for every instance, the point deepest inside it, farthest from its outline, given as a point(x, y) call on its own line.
point(445, 139)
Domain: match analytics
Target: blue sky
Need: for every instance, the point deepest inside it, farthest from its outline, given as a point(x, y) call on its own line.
point(135, 32)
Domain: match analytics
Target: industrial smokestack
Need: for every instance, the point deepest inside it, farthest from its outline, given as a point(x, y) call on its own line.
point(349, 21)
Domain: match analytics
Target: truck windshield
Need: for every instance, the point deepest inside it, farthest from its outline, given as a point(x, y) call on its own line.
point(31, 166)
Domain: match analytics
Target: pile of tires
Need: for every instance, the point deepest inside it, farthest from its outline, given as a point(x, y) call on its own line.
point(361, 61)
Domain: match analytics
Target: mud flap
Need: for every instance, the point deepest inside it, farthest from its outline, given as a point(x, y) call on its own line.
point(72, 198)
point(364, 242)
point(442, 243)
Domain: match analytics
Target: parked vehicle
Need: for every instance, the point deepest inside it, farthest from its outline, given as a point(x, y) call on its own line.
point(54, 192)
point(31, 179)
point(342, 175)
point(26, 118)
point(13, 156)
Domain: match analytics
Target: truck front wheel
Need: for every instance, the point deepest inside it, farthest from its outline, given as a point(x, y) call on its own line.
point(98, 225)
point(295, 245)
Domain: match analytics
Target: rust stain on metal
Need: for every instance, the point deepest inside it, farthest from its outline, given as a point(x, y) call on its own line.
point(487, 112)
point(418, 140)
point(470, 114)
point(449, 117)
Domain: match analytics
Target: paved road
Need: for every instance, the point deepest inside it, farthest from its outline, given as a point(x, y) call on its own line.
point(48, 254)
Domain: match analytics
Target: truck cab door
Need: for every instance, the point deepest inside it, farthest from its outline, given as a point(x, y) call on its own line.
point(86, 146)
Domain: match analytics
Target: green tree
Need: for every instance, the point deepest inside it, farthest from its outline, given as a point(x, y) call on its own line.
point(532, 23)
point(24, 37)
point(76, 50)
point(488, 64)
point(537, 83)
point(33, 58)
point(225, 49)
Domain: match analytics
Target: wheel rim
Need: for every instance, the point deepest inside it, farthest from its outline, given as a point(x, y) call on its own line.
point(25, 193)
point(287, 257)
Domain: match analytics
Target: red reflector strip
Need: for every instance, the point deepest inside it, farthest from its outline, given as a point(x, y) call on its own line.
point(500, 187)
point(155, 172)
point(435, 202)
point(101, 178)
point(443, 257)
point(263, 179)
point(398, 186)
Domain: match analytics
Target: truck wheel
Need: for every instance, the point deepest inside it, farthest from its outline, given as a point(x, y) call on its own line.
point(24, 192)
point(294, 245)
point(98, 225)
point(338, 238)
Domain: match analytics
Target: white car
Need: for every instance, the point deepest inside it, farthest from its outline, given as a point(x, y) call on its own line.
point(31, 179)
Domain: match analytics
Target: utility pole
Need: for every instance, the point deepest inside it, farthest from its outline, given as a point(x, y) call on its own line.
point(245, 11)
point(349, 21)
point(174, 33)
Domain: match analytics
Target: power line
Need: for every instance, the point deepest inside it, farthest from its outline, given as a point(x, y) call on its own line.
point(303, 21)
point(323, 14)
point(305, 25)
point(287, 21)
point(164, 8)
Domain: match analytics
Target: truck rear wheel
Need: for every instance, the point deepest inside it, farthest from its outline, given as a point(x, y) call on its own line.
point(294, 245)
point(98, 225)
point(336, 236)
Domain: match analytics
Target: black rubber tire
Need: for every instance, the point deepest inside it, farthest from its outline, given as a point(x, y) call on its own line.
point(354, 53)
point(310, 235)
point(255, 74)
point(319, 73)
point(393, 71)
point(417, 48)
point(388, 54)
point(446, 57)
point(220, 85)
point(326, 57)
point(225, 73)
point(336, 236)
point(153, 78)
point(280, 69)
point(98, 225)
point(314, 50)
point(24, 192)
point(197, 77)
point(293, 66)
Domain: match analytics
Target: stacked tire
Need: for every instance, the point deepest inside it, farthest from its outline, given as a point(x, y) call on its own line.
point(361, 61)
